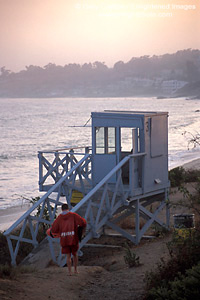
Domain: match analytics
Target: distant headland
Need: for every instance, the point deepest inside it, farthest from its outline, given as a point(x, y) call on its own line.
point(168, 75)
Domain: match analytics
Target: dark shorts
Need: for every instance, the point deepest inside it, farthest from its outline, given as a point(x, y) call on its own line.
point(70, 249)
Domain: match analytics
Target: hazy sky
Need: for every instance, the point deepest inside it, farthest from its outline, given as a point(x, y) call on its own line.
point(77, 31)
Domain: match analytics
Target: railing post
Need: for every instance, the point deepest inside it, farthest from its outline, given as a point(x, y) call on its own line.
point(40, 156)
point(71, 151)
point(57, 171)
point(86, 167)
point(10, 246)
point(67, 163)
point(137, 222)
point(87, 149)
point(131, 175)
point(143, 174)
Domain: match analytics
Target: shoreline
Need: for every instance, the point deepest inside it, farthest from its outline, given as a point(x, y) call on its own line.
point(11, 214)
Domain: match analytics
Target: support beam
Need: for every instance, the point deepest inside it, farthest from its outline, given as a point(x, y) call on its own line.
point(153, 218)
point(121, 231)
point(137, 221)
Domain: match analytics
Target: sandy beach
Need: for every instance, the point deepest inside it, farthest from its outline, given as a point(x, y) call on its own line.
point(10, 215)
point(194, 165)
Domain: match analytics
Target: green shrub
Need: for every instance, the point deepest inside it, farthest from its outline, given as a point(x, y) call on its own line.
point(185, 287)
point(159, 231)
point(184, 252)
point(4, 251)
point(190, 200)
point(192, 175)
point(179, 175)
point(25, 269)
point(6, 271)
point(176, 176)
point(130, 258)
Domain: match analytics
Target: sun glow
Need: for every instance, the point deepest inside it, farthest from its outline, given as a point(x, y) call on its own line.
point(80, 31)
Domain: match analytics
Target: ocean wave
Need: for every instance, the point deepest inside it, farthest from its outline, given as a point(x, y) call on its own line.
point(19, 202)
point(17, 156)
point(3, 157)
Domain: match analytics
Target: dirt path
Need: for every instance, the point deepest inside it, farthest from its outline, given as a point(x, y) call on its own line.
point(121, 282)
point(112, 279)
point(49, 283)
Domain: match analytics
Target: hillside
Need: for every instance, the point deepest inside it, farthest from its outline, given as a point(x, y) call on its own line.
point(166, 75)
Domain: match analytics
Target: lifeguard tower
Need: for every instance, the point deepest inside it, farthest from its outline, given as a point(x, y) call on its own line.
point(141, 136)
point(124, 173)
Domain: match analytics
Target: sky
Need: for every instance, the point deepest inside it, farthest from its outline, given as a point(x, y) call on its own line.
point(38, 32)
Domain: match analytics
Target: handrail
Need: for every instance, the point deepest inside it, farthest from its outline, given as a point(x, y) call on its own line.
point(56, 152)
point(51, 190)
point(58, 166)
point(105, 179)
point(138, 154)
point(63, 149)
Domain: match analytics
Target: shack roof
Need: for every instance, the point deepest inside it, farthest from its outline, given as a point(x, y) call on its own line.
point(129, 113)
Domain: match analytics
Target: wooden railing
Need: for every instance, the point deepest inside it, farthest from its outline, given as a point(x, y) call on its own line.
point(54, 164)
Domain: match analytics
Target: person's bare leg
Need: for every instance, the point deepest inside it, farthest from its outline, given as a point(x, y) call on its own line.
point(75, 259)
point(69, 263)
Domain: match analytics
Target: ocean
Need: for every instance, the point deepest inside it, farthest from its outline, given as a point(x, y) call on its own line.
point(30, 125)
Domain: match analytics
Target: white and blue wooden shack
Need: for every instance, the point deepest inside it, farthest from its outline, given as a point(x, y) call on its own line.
point(124, 173)
point(117, 134)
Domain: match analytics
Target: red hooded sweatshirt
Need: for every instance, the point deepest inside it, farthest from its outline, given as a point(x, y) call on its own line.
point(67, 226)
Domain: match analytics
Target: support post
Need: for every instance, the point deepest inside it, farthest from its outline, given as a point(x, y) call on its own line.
point(167, 208)
point(40, 171)
point(137, 222)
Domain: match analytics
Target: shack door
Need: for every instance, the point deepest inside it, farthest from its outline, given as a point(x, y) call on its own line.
point(130, 144)
point(104, 156)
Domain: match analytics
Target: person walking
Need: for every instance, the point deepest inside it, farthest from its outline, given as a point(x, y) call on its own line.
point(66, 226)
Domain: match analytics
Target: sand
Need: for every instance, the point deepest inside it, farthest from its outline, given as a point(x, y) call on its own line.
point(9, 215)
point(193, 165)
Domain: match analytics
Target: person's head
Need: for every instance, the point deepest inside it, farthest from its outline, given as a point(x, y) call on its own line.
point(65, 206)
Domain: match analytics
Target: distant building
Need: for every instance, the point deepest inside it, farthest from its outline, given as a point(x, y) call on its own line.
point(169, 87)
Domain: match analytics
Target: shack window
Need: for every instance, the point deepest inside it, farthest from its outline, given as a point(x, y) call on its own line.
point(100, 140)
point(126, 140)
point(105, 140)
point(111, 140)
